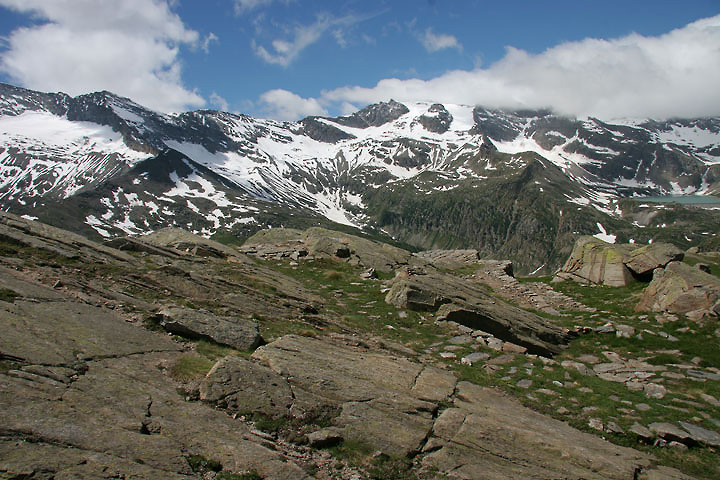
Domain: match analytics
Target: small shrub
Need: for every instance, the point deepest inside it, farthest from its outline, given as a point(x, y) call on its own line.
point(200, 464)
point(249, 475)
point(7, 295)
point(393, 468)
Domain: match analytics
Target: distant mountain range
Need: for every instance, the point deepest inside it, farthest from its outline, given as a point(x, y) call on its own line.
point(512, 184)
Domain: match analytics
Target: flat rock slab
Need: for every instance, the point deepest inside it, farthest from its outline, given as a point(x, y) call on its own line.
point(56, 241)
point(385, 401)
point(238, 333)
point(123, 416)
point(489, 435)
point(702, 435)
point(61, 332)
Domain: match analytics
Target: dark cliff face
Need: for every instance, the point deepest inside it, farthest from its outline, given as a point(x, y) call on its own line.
point(374, 115)
point(437, 120)
point(322, 132)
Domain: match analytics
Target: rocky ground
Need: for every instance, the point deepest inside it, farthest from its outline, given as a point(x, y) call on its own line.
point(321, 355)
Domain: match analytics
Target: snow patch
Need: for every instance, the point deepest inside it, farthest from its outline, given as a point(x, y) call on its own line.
point(603, 235)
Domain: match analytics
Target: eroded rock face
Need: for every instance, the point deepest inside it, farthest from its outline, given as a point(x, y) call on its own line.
point(680, 288)
point(595, 261)
point(450, 259)
point(185, 241)
point(469, 304)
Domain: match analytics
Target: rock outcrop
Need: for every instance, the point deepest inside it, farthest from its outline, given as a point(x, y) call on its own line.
point(321, 243)
point(184, 241)
point(401, 408)
point(469, 304)
point(595, 261)
point(680, 288)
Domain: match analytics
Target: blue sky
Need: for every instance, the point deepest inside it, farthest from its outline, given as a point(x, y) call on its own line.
point(290, 58)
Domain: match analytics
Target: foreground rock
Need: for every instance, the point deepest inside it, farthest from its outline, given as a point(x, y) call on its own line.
point(680, 288)
point(595, 261)
point(84, 395)
point(398, 407)
point(469, 304)
point(238, 333)
point(375, 393)
point(488, 435)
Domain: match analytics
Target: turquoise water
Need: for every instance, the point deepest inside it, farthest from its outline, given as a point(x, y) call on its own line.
point(682, 199)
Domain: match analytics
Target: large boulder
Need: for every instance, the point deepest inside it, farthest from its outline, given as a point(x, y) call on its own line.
point(241, 386)
point(595, 261)
point(680, 288)
point(234, 332)
point(469, 303)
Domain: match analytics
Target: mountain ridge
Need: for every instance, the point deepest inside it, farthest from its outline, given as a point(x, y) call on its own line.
point(350, 170)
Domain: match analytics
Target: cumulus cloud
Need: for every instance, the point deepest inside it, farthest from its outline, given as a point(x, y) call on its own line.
point(129, 47)
point(434, 42)
point(219, 102)
point(671, 75)
point(284, 105)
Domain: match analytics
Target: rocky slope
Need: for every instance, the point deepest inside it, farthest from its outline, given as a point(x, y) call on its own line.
point(426, 175)
point(305, 356)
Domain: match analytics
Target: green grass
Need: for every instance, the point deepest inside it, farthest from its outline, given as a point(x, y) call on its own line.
point(712, 261)
point(190, 367)
point(354, 305)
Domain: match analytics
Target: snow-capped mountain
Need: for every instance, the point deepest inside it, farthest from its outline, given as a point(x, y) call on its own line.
point(428, 175)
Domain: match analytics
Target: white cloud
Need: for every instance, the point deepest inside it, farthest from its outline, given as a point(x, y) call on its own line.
point(284, 105)
point(340, 37)
point(434, 42)
point(675, 74)
point(207, 41)
point(219, 102)
point(129, 47)
point(284, 52)
point(243, 6)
